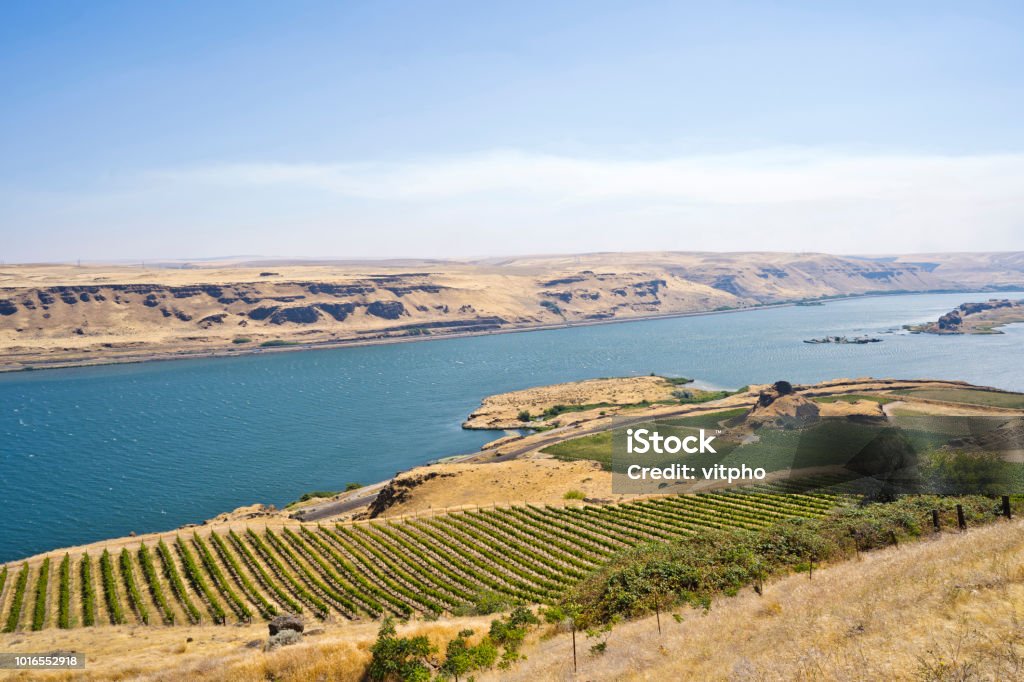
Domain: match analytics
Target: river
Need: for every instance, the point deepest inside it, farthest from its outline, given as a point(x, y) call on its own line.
point(97, 452)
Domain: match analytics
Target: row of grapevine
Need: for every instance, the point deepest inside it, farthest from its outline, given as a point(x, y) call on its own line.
point(88, 591)
point(42, 582)
point(14, 610)
point(156, 590)
point(177, 584)
point(266, 609)
point(110, 595)
point(433, 565)
point(132, 587)
point(197, 579)
point(64, 604)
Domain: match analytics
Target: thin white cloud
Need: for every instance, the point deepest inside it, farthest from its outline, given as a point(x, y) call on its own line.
point(763, 177)
point(507, 202)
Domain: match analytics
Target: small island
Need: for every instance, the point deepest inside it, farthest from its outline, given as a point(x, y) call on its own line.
point(844, 339)
point(974, 318)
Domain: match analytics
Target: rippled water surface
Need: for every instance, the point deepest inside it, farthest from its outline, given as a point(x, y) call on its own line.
point(97, 452)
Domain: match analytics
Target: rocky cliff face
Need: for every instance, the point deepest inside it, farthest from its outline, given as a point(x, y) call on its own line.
point(82, 313)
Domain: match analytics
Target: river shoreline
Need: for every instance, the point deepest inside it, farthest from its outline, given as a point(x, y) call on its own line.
point(357, 342)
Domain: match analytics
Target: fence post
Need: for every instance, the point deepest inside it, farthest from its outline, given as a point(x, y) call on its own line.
point(935, 520)
point(960, 519)
point(574, 668)
point(1007, 512)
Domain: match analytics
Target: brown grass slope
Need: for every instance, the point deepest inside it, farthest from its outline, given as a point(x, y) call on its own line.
point(943, 609)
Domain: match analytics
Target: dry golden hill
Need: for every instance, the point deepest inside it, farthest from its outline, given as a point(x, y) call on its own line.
point(59, 314)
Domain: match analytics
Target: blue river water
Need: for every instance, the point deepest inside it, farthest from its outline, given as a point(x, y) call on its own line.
point(98, 452)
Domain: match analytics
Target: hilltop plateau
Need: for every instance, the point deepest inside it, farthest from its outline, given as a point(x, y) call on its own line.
point(60, 315)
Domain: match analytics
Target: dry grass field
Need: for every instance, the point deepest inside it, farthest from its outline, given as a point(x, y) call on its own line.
point(936, 610)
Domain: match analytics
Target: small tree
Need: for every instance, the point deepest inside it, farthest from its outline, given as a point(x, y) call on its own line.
point(461, 658)
point(399, 658)
point(510, 632)
point(524, 416)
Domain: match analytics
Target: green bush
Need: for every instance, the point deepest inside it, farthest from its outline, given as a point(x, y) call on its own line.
point(399, 658)
point(510, 631)
point(461, 658)
point(484, 603)
point(317, 494)
point(574, 495)
point(693, 569)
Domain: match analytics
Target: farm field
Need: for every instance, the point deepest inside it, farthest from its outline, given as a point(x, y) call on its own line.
point(432, 565)
point(967, 396)
point(853, 398)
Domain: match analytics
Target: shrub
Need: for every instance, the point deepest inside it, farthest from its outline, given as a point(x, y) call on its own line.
point(461, 658)
point(317, 494)
point(524, 416)
point(399, 658)
point(574, 495)
point(241, 339)
point(510, 631)
point(693, 569)
point(485, 603)
point(352, 486)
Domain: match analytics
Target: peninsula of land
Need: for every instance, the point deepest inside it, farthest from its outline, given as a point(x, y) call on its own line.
point(985, 317)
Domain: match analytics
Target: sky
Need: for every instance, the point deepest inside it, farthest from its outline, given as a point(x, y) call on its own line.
point(187, 130)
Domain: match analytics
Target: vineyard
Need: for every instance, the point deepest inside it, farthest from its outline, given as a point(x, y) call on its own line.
point(429, 565)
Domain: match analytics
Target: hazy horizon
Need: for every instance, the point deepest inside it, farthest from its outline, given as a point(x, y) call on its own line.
point(260, 259)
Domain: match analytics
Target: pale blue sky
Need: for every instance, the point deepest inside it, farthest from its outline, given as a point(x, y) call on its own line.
point(385, 129)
